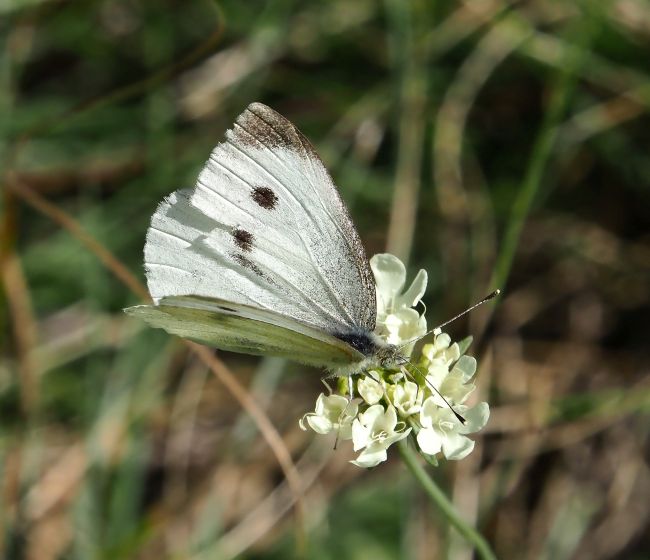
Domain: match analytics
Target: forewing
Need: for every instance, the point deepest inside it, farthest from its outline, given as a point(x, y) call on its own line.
point(239, 328)
point(264, 227)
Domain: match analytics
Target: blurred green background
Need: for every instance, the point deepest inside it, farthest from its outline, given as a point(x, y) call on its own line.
point(494, 144)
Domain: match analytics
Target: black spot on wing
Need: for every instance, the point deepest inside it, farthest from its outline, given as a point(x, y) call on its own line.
point(228, 309)
point(265, 197)
point(359, 340)
point(243, 239)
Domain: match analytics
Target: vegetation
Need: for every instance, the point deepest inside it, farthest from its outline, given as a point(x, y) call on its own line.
point(494, 144)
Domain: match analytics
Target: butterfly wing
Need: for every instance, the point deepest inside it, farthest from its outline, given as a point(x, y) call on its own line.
point(264, 227)
point(241, 328)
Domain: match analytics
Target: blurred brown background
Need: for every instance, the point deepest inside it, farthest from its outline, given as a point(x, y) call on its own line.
point(494, 144)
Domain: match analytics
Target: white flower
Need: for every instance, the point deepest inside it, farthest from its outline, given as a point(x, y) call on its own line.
point(426, 395)
point(407, 398)
point(454, 385)
point(441, 352)
point(334, 412)
point(397, 322)
point(442, 431)
point(404, 325)
point(374, 431)
point(371, 390)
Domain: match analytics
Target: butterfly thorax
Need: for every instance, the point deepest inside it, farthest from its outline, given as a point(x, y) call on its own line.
point(377, 352)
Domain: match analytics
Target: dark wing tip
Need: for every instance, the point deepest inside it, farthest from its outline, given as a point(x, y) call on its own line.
point(265, 113)
point(260, 125)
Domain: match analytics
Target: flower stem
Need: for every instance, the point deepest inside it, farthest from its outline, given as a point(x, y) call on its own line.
point(442, 502)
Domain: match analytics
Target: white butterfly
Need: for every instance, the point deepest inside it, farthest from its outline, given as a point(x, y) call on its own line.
point(261, 257)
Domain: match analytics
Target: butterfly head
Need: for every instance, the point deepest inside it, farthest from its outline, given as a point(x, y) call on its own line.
point(390, 355)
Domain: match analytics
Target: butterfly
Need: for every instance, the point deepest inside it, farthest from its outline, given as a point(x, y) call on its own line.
point(261, 256)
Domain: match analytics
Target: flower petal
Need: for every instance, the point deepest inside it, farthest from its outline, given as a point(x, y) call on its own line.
point(404, 325)
point(429, 412)
point(452, 353)
point(456, 446)
point(465, 367)
point(386, 422)
point(345, 431)
point(454, 389)
point(442, 341)
point(319, 424)
point(405, 398)
point(396, 436)
point(360, 435)
point(390, 275)
point(320, 404)
point(475, 418)
point(437, 373)
point(369, 417)
point(371, 390)
point(416, 290)
point(371, 456)
point(429, 441)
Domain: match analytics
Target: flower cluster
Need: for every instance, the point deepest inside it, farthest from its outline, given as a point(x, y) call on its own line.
point(422, 398)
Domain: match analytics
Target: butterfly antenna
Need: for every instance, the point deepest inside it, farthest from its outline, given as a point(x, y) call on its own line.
point(432, 387)
point(487, 298)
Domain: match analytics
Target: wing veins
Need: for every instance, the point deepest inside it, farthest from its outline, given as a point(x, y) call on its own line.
point(314, 302)
point(322, 204)
point(240, 270)
point(277, 181)
point(314, 262)
point(252, 217)
point(307, 154)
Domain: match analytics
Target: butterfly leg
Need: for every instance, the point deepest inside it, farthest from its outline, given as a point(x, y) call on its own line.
point(350, 396)
point(350, 388)
point(323, 380)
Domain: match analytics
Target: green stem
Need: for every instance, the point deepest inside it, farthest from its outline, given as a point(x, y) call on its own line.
point(441, 501)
